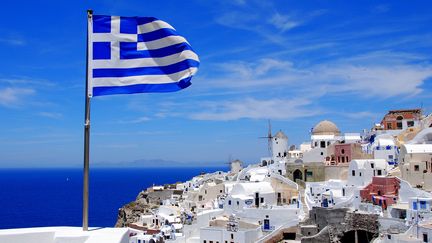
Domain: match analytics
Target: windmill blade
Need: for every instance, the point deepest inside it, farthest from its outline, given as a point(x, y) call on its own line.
point(270, 137)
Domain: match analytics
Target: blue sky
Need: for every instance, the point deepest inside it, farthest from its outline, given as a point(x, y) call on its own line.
point(294, 62)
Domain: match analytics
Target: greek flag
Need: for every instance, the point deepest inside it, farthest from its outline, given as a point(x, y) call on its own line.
point(137, 55)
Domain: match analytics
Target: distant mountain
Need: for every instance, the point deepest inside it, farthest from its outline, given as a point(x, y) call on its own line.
point(151, 163)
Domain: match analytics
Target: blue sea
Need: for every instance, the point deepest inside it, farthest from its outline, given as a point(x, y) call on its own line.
point(53, 197)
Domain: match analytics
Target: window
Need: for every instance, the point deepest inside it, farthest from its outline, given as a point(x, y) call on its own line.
point(343, 159)
point(139, 241)
point(410, 123)
point(390, 157)
point(379, 172)
point(323, 144)
point(238, 203)
point(422, 204)
point(211, 241)
point(232, 236)
point(262, 200)
point(220, 191)
point(229, 202)
point(416, 168)
point(372, 165)
point(316, 144)
point(353, 172)
point(399, 125)
point(360, 174)
point(389, 126)
point(343, 151)
point(414, 205)
point(425, 237)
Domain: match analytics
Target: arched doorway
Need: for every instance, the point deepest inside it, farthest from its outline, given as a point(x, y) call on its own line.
point(297, 175)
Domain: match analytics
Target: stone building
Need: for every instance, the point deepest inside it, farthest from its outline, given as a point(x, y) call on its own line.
point(338, 225)
point(401, 119)
point(305, 172)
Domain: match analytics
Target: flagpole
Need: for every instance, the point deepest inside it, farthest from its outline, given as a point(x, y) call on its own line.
point(86, 136)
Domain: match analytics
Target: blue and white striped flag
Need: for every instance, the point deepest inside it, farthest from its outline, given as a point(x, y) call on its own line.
point(137, 55)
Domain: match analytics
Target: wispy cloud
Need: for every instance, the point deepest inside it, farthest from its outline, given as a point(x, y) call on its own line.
point(52, 115)
point(20, 80)
point(251, 20)
point(361, 115)
point(158, 133)
point(12, 97)
point(283, 22)
point(118, 146)
point(135, 120)
point(381, 8)
point(282, 109)
point(14, 41)
point(383, 75)
point(270, 88)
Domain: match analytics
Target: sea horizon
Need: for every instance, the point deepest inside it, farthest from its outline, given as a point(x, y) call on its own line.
point(39, 197)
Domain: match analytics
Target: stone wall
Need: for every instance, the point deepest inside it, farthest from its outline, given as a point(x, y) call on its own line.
point(334, 223)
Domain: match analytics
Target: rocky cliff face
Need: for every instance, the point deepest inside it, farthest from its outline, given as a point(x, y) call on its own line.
point(145, 202)
point(131, 212)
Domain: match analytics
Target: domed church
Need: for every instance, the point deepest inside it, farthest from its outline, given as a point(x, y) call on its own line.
point(324, 133)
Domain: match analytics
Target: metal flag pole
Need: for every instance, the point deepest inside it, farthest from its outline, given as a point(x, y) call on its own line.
point(86, 133)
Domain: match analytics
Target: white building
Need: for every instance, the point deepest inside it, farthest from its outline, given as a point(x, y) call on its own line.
point(361, 171)
point(250, 194)
point(223, 229)
point(324, 134)
point(384, 147)
point(279, 146)
point(416, 164)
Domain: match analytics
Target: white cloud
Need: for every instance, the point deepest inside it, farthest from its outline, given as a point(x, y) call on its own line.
point(27, 81)
point(380, 81)
point(385, 77)
point(283, 109)
point(382, 8)
point(134, 121)
point(254, 69)
point(13, 41)
point(52, 115)
point(270, 88)
point(10, 97)
point(283, 22)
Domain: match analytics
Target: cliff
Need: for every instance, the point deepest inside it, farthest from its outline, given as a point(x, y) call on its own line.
point(145, 202)
point(131, 212)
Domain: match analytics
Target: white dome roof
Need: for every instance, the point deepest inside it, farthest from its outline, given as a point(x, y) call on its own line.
point(326, 128)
